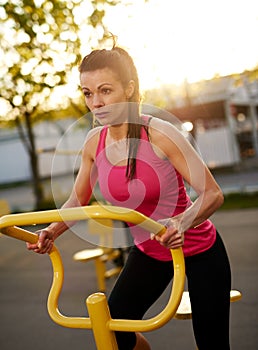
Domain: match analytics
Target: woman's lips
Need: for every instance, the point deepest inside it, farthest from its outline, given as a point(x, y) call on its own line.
point(101, 114)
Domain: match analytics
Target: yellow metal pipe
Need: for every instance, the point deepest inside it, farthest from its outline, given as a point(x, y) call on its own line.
point(100, 317)
point(58, 278)
point(80, 213)
point(168, 312)
point(54, 293)
point(20, 233)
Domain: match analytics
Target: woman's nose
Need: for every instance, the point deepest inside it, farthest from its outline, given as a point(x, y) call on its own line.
point(97, 101)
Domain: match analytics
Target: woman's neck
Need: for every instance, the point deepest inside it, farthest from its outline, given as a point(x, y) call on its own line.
point(117, 132)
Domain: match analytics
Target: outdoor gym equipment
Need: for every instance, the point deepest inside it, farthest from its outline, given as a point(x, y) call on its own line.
point(99, 320)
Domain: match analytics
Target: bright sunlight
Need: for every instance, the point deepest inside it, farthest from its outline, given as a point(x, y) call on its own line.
point(176, 40)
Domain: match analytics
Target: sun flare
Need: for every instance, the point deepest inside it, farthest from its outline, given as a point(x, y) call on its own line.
point(171, 41)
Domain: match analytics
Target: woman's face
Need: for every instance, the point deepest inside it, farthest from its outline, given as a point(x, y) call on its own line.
point(105, 95)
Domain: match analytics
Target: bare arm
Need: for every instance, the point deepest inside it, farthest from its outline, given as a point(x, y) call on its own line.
point(80, 195)
point(189, 164)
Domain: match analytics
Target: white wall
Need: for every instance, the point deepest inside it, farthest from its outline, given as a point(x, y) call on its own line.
point(66, 136)
point(217, 147)
point(14, 161)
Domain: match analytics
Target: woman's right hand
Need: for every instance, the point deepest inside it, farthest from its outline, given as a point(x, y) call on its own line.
point(174, 236)
point(45, 242)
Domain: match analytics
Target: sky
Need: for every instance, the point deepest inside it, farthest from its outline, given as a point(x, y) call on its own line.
point(174, 40)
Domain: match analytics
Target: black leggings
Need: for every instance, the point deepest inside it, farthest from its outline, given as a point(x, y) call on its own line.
point(144, 279)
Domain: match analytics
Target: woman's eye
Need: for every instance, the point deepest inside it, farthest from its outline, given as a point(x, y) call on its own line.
point(87, 94)
point(105, 91)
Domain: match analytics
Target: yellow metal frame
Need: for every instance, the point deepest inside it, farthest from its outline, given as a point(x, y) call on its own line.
point(99, 320)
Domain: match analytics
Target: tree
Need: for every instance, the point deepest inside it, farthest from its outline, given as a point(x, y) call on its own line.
point(40, 49)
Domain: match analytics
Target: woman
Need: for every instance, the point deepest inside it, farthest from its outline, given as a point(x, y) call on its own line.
point(141, 162)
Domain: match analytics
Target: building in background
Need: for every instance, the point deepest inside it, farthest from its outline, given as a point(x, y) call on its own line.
point(224, 118)
point(58, 144)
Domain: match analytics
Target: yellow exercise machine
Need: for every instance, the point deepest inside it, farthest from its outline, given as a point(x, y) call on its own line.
point(99, 320)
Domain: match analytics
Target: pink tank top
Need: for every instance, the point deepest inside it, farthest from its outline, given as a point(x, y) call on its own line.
point(157, 191)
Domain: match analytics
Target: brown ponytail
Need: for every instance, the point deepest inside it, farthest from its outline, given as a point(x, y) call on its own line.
point(120, 62)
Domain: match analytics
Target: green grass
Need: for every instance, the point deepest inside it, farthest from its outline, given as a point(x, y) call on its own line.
point(240, 201)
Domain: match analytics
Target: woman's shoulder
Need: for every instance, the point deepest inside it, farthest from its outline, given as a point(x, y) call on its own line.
point(159, 127)
point(91, 141)
point(167, 137)
point(93, 134)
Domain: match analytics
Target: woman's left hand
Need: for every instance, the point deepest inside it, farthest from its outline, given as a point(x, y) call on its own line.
point(173, 237)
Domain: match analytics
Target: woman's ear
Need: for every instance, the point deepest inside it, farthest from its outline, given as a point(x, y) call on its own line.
point(130, 89)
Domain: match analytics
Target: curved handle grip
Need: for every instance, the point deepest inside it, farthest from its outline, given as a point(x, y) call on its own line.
point(7, 227)
point(81, 213)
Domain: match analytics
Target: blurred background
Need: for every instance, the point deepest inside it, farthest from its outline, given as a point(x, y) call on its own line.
point(198, 66)
point(196, 61)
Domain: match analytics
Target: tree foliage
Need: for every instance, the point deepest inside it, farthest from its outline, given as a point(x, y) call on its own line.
point(40, 47)
point(40, 50)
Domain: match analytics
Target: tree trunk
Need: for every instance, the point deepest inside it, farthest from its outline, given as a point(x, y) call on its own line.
point(28, 139)
point(35, 176)
point(36, 182)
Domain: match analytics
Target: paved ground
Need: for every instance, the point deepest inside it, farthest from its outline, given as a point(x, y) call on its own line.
point(26, 278)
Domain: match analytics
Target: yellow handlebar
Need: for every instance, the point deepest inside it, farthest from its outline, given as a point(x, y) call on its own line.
point(7, 226)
